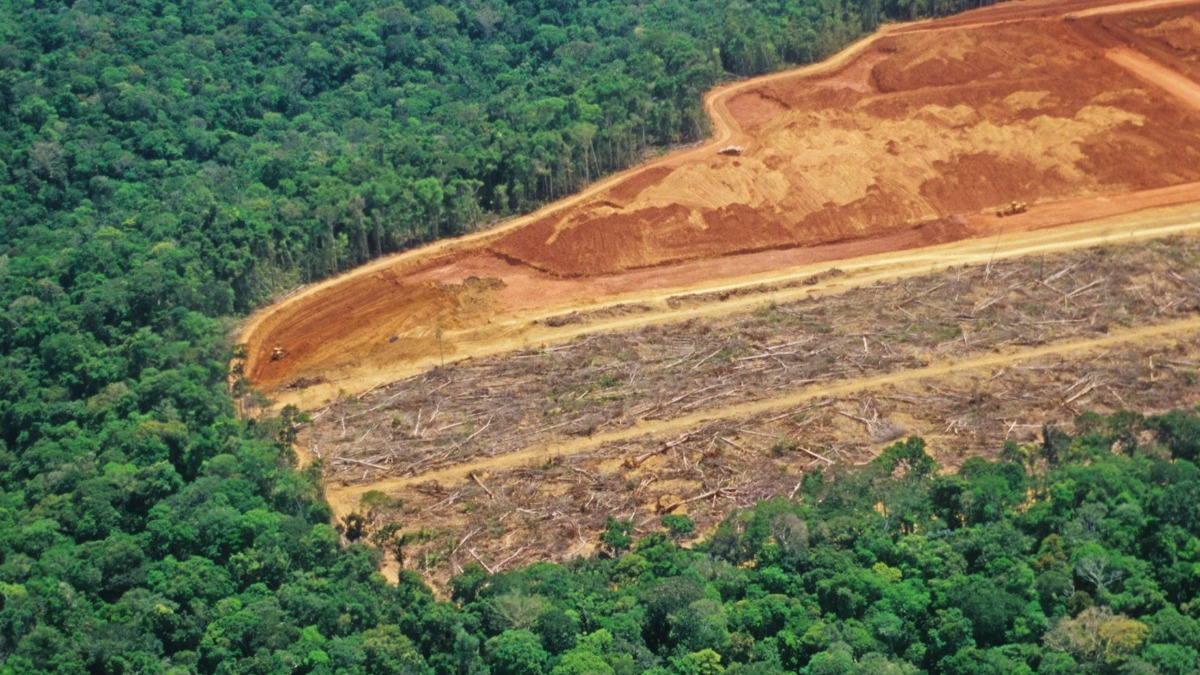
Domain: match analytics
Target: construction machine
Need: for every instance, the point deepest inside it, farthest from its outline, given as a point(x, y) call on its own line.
point(1012, 209)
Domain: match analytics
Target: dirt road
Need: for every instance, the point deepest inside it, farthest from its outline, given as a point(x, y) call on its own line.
point(1157, 75)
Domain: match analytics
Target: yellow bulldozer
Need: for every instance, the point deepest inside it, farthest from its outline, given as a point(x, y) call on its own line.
point(1012, 209)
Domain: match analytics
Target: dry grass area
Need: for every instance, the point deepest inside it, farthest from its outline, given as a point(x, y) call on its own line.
point(531, 427)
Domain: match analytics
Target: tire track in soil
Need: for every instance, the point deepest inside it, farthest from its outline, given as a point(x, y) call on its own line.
point(345, 500)
point(1154, 73)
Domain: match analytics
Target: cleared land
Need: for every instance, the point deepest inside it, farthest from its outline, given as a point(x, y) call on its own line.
point(907, 139)
point(539, 447)
point(696, 333)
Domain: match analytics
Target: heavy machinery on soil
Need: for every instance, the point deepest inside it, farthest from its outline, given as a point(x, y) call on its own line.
point(278, 353)
point(1012, 209)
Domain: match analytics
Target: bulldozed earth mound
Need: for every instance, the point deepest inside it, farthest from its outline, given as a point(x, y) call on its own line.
point(914, 137)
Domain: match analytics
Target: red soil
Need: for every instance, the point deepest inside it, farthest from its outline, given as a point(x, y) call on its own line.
point(910, 139)
point(923, 126)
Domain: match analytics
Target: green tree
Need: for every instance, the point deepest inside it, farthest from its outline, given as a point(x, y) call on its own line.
point(582, 663)
point(703, 662)
point(516, 652)
point(388, 650)
point(678, 526)
point(616, 536)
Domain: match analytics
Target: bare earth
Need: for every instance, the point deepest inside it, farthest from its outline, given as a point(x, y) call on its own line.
point(885, 163)
point(909, 138)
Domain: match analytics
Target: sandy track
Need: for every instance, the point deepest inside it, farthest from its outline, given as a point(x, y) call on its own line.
point(1156, 74)
point(345, 500)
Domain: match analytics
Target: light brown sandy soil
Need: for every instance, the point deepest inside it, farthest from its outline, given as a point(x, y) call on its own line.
point(907, 139)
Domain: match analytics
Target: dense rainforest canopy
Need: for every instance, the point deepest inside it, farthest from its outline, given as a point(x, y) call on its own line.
point(164, 166)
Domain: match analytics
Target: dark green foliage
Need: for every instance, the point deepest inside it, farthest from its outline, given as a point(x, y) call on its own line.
point(678, 526)
point(909, 455)
point(665, 601)
point(616, 536)
point(1180, 432)
point(990, 609)
point(465, 587)
point(516, 652)
point(557, 629)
